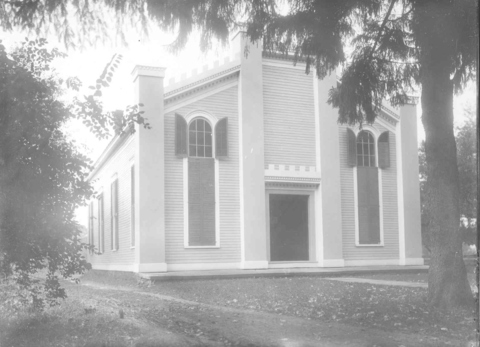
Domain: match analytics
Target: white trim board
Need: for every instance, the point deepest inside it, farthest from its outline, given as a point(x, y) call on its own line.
point(332, 263)
point(202, 266)
point(252, 265)
point(114, 267)
point(372, 262)
point(283, 265)
point(400, 201)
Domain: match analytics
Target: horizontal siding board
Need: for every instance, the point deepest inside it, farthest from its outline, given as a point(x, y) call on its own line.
point(390, 249)
point(222, 104)
point(119, 164)
point(289, 117)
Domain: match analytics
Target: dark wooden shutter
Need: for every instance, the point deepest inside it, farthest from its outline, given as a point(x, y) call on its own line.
point(368, 205)
point(352, 148)
point(180, 136)
point(117, 243)
point(90, 224)
point(101, 237)
point(201, 202)
point(384, 150)
point(221, 139)
point(132, 205)
point(114, 215)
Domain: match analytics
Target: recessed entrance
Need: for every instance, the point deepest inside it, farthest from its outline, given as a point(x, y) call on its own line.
point(288, 227)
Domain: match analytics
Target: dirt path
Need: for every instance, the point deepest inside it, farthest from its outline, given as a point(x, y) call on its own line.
point(178, 322)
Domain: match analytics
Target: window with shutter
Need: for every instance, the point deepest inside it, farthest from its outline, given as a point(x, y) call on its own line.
point(352, 148)
point(101, 228)
point(221, 139)
point(384, 150)
point(114, 215)
point(180, 136)
point(201, 184)
point(90, 225)
point(367, 190)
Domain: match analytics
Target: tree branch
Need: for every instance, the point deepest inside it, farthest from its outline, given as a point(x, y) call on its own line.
point(382, 27)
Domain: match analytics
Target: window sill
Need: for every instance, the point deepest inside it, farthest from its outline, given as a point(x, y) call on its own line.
point(370, 245)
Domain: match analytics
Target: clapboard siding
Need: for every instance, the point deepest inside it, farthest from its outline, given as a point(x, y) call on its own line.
point(222, 104)
point(119, 164)
point(289, 116)
point(390, 249)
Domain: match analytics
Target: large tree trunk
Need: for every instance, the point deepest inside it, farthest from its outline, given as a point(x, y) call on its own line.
point(448, 285)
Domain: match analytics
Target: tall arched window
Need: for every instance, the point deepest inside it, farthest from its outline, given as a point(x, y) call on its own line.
point(367, 190)
point(365, 149)
point(200, 139)
point(194, 143)
point(201, 184)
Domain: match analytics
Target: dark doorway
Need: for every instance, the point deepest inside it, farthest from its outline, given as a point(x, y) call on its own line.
point(288, 227)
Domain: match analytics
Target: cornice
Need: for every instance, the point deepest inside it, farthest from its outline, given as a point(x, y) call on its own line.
point(203, 84)
point(292, 179)
point(387, 115)
point(205, 80)
point(292, 185)
point(281, 56)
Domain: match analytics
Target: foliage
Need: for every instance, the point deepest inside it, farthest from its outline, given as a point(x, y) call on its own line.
point(396, 46)
point(42, 173)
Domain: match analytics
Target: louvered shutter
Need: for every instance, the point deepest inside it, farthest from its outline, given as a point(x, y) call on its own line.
point(384, 150)
point(352, 148)
point(221, 139)
point(180, 136)
point(117, 242)
point(114, 215)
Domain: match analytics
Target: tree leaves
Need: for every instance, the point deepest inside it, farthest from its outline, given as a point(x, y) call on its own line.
point(43, 176)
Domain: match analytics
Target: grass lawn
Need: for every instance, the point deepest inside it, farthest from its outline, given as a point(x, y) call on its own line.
point(384, 307)
point(90, 317)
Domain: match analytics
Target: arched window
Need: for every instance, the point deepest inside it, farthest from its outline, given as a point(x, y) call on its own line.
point(200, 139)
point(365, 149)
point(194, 143)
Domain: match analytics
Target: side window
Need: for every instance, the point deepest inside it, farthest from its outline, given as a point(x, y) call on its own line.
point(101, 224)
point(114, 215)
point(367, 190)
point(201, 184)
point(91, 240)
point(132, 205)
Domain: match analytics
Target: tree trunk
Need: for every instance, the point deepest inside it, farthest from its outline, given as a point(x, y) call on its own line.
point(448, 285)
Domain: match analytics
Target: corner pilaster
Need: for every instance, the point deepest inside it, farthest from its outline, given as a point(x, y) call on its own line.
point(410, 237)
point(150, 172)
point(252, 155)
point(330, 240)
